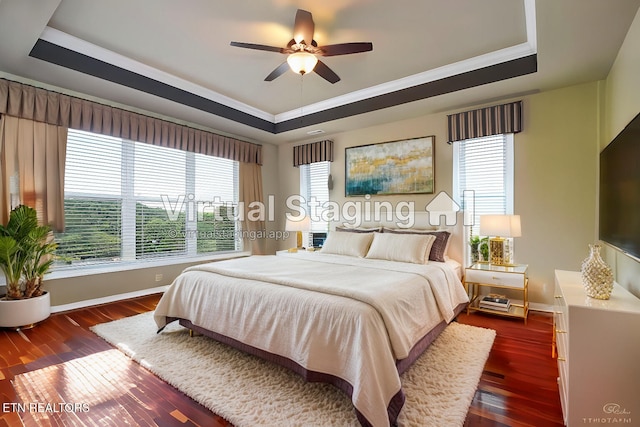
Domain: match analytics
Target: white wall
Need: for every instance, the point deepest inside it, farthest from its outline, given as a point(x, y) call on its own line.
point(422, 126)
point(555, 176)
point(622, 103)
point(555, 184)
point(270, 182)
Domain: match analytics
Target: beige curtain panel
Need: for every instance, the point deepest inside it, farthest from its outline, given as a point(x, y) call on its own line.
point(250, 192)
point(32, 160)
point(24, 101)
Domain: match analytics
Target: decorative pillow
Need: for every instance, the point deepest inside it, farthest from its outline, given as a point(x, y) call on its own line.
point(359, 229)
point(412, 248)
point(439, 248)
point(351, 244)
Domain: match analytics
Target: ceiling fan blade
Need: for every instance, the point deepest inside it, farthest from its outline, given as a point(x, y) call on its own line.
point(304, 27)
point(326, 73)
point(282, 68)
point(346, 48)
point(259, 47)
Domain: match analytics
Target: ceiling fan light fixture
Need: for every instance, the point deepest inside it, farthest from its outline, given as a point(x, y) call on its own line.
point(302, 62)
point(303, 49)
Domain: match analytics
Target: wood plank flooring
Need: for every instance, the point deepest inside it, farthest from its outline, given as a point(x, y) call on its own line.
point(518, 386)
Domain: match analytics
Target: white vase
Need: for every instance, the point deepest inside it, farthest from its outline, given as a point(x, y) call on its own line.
point(24, 313)
point(597, 276)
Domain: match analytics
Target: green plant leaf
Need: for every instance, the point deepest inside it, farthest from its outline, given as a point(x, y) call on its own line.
point(26, 250)
point(10, 260)
point(22, 220)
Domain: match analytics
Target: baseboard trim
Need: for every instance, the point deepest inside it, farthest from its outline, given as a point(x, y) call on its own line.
point(533, 306)
point(107, 299)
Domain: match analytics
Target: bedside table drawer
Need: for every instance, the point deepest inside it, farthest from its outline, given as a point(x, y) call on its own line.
point(497, 278)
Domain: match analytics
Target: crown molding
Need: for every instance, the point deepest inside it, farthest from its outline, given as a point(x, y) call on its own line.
point(76, 44)
point(467, 65)
point(505, 55)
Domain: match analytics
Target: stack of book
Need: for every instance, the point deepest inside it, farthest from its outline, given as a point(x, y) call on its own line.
point(495, 302)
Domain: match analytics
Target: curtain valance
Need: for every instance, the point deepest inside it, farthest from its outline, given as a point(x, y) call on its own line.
point(321, 151)
point(29, 102)
point(505, 118)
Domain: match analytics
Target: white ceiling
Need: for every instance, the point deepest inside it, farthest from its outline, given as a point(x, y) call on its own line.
point(186, 44)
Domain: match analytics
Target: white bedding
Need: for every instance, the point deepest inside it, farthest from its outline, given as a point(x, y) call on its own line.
point(344, 316)
point(455, 266)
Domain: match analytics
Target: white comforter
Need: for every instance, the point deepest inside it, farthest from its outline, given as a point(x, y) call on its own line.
point(343, 316)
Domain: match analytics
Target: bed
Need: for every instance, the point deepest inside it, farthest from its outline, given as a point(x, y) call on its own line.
point(356, 314)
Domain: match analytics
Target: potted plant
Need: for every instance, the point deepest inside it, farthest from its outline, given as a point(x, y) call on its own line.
point(26, 255)
point(479, 248)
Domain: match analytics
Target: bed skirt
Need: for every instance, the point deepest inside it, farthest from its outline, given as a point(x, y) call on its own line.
point(397, 401)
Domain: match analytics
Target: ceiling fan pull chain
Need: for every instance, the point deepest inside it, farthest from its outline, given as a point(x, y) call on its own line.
point(301, 100)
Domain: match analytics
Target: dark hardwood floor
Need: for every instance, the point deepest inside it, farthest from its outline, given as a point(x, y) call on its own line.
point(519, 383)
point(65, 362)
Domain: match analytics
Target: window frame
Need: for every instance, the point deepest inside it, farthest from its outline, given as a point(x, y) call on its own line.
point(129, 257)
point(306, 192)
point(461, 195)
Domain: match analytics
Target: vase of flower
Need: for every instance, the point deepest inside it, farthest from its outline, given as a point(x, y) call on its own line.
point(597, 276)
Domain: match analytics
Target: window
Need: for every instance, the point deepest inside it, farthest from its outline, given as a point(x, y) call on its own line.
point(129, 201)
point(314, 189)
point(483, 167)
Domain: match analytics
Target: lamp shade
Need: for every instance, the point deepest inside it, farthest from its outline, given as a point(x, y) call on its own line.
point(500, 225)
point(303, 224)
point(302, 62)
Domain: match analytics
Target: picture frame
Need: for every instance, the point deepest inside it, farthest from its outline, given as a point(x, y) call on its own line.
point(404, 166)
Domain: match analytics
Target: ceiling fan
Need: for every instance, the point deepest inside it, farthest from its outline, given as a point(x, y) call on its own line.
point(303, 50)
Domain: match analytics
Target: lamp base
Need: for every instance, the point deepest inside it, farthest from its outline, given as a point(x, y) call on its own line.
point(298, 243)
point(500, 252)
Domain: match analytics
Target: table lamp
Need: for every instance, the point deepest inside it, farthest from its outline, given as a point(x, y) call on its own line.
point(499, 229)
point(298, 225)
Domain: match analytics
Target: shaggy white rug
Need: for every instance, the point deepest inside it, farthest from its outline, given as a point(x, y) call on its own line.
point(248, 391)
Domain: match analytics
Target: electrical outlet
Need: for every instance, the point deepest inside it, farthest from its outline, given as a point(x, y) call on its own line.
point(158, 277)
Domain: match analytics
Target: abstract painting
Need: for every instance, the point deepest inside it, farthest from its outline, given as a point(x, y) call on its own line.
point(396, 167)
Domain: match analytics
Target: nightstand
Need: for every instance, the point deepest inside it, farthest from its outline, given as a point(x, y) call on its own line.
point(481, 277)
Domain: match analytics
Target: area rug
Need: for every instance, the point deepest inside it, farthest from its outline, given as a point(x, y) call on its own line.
point(248, 391)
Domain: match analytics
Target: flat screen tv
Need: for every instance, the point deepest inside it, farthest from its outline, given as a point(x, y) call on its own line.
point(619, 203)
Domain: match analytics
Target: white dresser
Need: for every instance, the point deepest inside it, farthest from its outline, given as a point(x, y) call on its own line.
point(597, 343)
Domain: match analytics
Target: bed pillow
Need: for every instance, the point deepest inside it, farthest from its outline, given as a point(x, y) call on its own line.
point(359, 229)
point(413, 248)
point(439, 247)
point(351, 244)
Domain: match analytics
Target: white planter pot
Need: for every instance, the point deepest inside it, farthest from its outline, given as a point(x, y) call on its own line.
point(24, 312)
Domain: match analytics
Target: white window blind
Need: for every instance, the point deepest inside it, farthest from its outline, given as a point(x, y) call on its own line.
point(128, 201)
point(484, 167)
point(314, 189)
